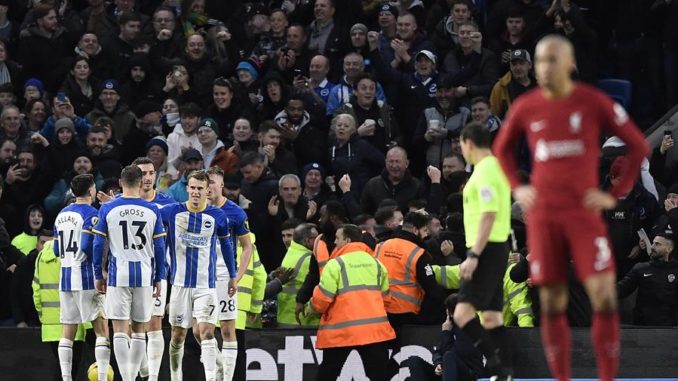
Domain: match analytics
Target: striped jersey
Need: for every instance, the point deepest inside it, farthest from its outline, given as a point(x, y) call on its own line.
point(237, 227)
point(192, 240)
point(130, 224)
point(77, 269)
point(160, 199)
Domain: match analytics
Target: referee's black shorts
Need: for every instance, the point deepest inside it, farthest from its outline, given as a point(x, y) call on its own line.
point(485, 291)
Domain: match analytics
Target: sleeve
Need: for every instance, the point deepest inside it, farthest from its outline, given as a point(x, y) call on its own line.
point(82, 127)
point(37, 300)
point(100, 230)
point(258, 285)
point(427, 279)
point(48, 129)
point(504, 147)
point(620, 124)
point(333, 102)
point(86, 236)
point(226, 245)
point(159, 248)
point(351, 204)
point(326, 290)
point(488, 194)
point(242, 227)
point(447, 276)
point(629, 283)
point(55, 238)
point(273, 288)
point(519, 272)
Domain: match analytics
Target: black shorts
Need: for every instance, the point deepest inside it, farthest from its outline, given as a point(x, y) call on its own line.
point(485, 291)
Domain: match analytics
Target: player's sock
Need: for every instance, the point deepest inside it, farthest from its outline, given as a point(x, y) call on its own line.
point(482, 341)
point(137, 352)
point(555, 337)
point(176, 355)
point(66, 358)
point(209, 358)
point(220, 365)
point(229, 353)
point(498, 336)
point(122, 356)
point(605, 337)
point(102, 354)
point(143, 368)
point(154, 350)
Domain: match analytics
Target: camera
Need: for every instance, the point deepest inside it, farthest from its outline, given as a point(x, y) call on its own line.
point(297, 72)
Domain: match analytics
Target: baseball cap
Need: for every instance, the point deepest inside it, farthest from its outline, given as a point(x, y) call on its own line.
point(191, 154)
point(313, 166)
point(428, 54)
point(521, 54)
point(109, 84)
point(389, 8)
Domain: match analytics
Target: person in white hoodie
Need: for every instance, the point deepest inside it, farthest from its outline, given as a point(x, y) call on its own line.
point(210, 145)
point(184, 136)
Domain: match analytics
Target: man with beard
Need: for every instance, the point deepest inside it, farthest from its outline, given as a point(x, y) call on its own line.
point(332, 216)
point(118, 49)
point(110, 104)
point(657, 298)
point(104, 156)
point(81, 166)
point(515, 82)
point(141, 84)
point(302, 131)
point(23, 187)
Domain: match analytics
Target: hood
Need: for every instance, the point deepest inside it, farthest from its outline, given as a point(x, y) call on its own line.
point(47, 252)
point(351, 247)
point(281, 119)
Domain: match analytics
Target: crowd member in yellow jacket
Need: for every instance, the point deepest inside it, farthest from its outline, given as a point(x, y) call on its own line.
point(46, 299)
point(351, 297)
point(517, 309)
point(298, 257)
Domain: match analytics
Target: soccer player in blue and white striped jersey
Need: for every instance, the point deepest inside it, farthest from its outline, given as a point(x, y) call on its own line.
point(150, 366)
point(79, 300)
point(193, 229)
point(136, 264)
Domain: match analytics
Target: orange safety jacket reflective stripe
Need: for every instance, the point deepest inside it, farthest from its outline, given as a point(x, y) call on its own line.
point(351, 295)
point(321, 253)
point(400, 257)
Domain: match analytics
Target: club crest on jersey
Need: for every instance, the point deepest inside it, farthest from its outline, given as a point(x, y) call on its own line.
point(486, 194)
point(208, 224)
point(575, 122)
point(95, 220)
point(671, 278)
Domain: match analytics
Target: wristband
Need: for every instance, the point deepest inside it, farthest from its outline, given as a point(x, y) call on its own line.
point(471, 254)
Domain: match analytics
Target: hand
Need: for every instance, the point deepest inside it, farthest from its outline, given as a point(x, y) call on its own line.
point(566, 5)
point(367, 130)
point(514, 257)
point(66, 110)
point(312, 209)
point(269, 151)
point(447, 325)
point(329, 180)
point(506, 56)
point(170, 83)
point(598, 200)
point(11, 268)
point(641, 244)
point(373, 40)
point(37, 138)
point(273, 206)
point(438, 370)
point(669, 203)
point(164, 35)
point(105, 197)
point(477, 39)
point(232, 287)
point(447, 247)
point(300, 83)
point(157, 288)
point(433, 174)
point(468, 267)
point(461, 91)
point(100, 285)
point(525, 195)
point(667, 143)
point(22, 324)
point(299, 310)
point(635, 252)
point(345, 183)
point(251, 317)
point(310, 311)
point(285, 274)
point(13, 173)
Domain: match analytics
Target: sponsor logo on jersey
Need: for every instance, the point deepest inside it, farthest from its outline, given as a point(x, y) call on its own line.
point(538, 125)
point(575, 122)
point(545, 151)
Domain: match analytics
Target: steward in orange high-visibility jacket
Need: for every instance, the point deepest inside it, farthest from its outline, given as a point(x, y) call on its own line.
point(351, 297)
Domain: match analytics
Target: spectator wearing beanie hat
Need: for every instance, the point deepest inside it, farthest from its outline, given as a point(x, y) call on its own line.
point(146, 127)
point(33, 89)
point(210, 145)
point(82, 164)
point(111, 105)
point(247, 72)
point(313, 181)
point(157, 150)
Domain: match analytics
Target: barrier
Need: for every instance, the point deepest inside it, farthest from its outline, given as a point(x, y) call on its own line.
point(290, 355)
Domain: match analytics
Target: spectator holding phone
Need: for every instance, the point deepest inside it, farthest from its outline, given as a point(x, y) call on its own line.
point(62, 108)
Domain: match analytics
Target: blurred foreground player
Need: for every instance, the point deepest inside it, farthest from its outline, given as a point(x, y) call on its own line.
point(563, 122)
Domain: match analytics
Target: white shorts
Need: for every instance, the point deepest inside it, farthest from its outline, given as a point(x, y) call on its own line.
point(129, 303)
point(160, 302)
point(80, 306)
point(187, 304)
point(228, 306)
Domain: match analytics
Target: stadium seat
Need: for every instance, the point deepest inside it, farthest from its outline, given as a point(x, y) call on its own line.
point(617, 89)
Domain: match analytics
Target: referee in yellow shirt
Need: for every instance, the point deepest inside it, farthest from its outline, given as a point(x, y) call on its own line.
point(487, 223)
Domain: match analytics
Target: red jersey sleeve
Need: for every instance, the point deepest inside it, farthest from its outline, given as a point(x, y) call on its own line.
point(504, 146)
point(617, 121)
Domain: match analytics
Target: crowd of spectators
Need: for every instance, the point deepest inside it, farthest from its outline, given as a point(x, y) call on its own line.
point(304, 103)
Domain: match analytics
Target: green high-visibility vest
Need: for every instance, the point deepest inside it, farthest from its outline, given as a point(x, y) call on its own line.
point(251, 287)
point(297, 258)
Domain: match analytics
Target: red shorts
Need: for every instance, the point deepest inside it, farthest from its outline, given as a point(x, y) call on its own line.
point(554, 239)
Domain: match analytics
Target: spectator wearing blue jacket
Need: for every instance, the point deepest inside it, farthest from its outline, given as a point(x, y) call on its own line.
point(64, 109)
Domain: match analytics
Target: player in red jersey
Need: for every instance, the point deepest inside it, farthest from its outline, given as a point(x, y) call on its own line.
point(563, 121)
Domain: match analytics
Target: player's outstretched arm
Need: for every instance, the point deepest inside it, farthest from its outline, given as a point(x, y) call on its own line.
point(245, 256)
point(98, 255)
point(504, 147)
point(159, 254)
point(86, 243)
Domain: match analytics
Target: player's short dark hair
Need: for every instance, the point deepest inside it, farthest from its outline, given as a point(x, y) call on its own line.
point(451, 303)
point(335, 208)
point(131, 175)
point(382, 215)
point(303, 231)
point(290, 223)
point(416, 220)
point(352, 232)
point(142, 160)
point(478, 134)
point(200, 175)
point(251, 158)
point(127, 17)
point(266, 126)
point(190, 109)
point(80, 184)
point(215, 170)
